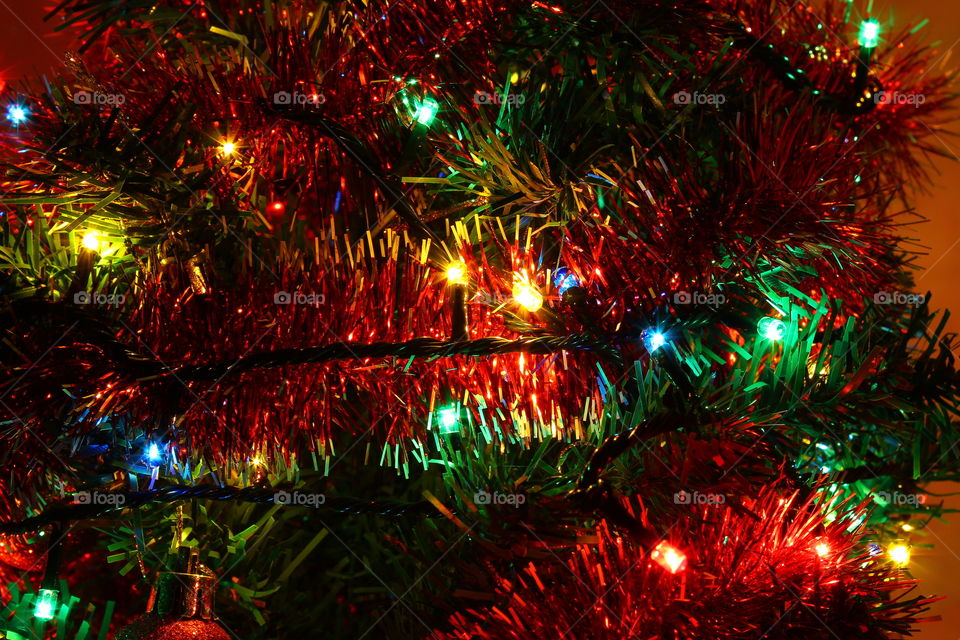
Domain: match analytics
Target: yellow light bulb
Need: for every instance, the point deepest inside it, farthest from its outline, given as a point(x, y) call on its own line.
point(527, 296)
point(228, 148)
point(900, 554)
point(456, 272)
point(91, 241)
point(822, 549)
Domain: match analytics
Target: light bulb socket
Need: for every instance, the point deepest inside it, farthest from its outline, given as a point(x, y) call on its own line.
point(458, 309)
point(187, 594)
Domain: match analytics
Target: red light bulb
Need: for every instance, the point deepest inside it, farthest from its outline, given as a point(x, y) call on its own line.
point(669, 557)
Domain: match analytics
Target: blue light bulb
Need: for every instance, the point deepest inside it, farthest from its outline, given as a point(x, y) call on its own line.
point(154, 454)
point(17, 114)
point(653, 340)
point(564, 279)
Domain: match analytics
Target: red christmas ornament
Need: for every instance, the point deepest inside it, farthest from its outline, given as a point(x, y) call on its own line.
point(153, 627)
point(22, 560)
point(17, 554)
point(19, 563)
point(180, 608)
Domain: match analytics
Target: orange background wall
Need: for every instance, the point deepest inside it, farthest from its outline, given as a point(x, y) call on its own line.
point(939, 272)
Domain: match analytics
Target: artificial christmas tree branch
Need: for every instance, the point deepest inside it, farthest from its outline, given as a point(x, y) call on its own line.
point(620, 287)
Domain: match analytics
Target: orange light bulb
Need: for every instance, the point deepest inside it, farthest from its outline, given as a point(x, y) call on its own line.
point(669, 557)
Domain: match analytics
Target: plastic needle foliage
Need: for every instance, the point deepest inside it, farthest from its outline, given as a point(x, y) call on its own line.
point(470, 320)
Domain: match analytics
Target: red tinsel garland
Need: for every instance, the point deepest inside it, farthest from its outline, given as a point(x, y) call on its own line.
point(776, 571)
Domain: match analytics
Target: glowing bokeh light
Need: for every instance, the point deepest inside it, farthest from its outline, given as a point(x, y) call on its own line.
point(669, 557)
point(527, 296)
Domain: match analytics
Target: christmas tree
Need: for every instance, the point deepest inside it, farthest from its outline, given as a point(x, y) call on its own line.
point(469, 320)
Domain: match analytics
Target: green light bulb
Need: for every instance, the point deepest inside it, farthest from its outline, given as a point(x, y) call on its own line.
point(771, 328)
point(449, 419)
point(46, 606)
point(426, 111)
point(869, 34)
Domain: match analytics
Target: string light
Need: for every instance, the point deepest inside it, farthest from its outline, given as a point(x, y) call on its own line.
point(456, 272)
point(17, 114)
point(449, 419)
point(900, 554)
point(154, 454)
point(91, 241)
point(771, 328)
point(46, 606)
point(822, 549)
point(669, 557)
point(426, 110)
point(869, 34)
point(527, 296)
point(653, 340)
point(228, 148)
